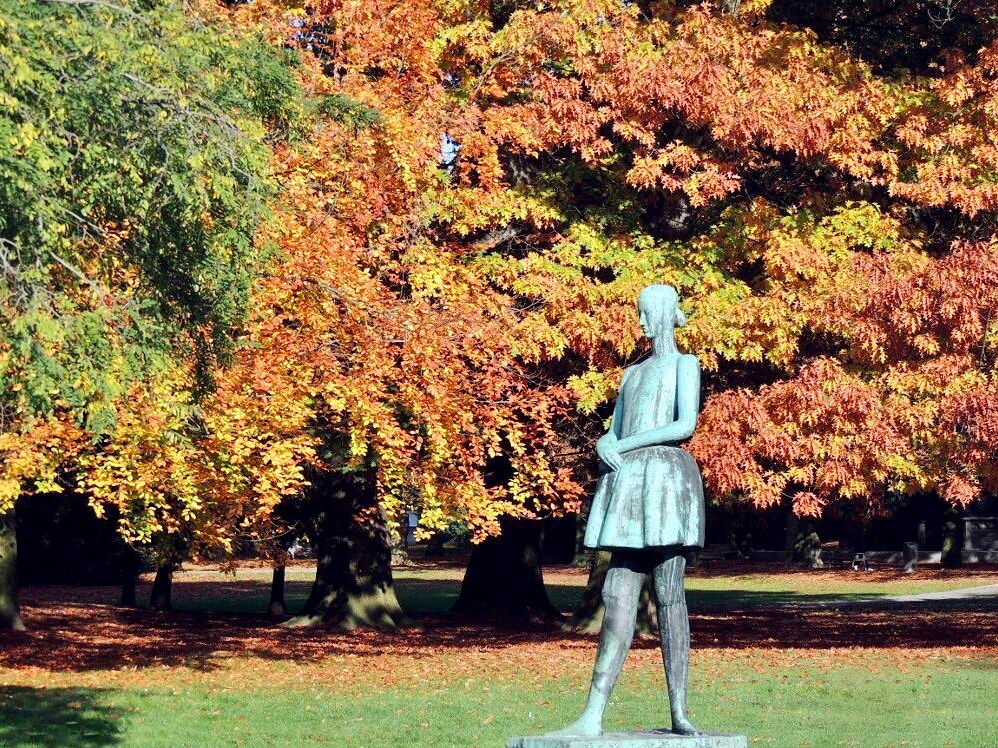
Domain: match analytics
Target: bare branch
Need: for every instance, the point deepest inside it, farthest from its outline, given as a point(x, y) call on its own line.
point(76, 272)
point(946, 12)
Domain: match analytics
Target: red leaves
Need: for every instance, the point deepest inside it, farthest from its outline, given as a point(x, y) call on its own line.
point(76, 635)
point(433, 317)
point(949, 138)
point(826, 434)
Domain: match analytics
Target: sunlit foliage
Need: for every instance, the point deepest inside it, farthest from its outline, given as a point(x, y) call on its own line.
point(133, 175)
point(465, 201)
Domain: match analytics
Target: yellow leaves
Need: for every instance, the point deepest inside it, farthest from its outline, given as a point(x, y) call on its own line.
point(10, 491)
point(646, 173)
point(749, 8)
point(431, 275)
point(32, 456)
point(538, 339)
point(593, 388)
point(26, 134)
point(162, 479)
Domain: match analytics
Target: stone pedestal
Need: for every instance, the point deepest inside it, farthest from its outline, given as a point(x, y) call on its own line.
point(638, 739)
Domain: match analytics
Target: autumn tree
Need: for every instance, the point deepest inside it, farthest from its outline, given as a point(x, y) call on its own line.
point(706, 133)
point(828, 221)
point(440, 327)
point(133, 174)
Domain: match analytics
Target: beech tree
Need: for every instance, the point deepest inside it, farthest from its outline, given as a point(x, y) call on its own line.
point(133, 174)
point(828, 221)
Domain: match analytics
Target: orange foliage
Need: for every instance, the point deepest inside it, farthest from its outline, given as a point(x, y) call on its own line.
point(436, 316)
point(404, 357)
point(457, 326)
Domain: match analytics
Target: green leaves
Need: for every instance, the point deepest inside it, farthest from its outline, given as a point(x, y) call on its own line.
point(133, 175)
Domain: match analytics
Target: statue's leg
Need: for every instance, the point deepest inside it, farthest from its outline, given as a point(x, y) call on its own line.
point(674, 629)
point(621, 591)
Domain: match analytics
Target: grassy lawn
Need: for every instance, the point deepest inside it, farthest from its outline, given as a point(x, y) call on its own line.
point(89, 674)
point(834, 701)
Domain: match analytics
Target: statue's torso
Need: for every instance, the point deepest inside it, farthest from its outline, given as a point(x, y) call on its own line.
point(648, 395)
point(655, 498)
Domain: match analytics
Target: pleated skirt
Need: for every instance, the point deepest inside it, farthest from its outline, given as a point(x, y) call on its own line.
point(654, 500)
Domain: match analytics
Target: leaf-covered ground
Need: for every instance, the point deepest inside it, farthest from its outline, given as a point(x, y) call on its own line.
point(88, 673)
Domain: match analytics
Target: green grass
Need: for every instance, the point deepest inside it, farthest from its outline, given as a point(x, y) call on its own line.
point(751, 590)
point(478, 694)
point(930, 706)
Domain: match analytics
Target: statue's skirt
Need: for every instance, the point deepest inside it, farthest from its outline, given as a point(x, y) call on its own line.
point(655, 499)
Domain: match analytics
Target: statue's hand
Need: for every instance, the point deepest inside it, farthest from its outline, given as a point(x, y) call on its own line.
point(607, 450)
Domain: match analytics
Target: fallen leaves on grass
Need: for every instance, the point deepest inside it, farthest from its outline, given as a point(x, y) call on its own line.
point(92, 643)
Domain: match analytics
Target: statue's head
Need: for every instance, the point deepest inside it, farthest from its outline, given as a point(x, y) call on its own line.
point(658, 310)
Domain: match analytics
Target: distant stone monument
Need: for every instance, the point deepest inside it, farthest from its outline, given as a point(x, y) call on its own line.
point(649, 511)
point(980, 539)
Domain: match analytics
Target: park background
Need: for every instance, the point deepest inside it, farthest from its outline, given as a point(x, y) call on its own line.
point(359, 279)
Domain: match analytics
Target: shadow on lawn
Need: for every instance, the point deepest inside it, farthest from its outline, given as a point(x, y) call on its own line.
point(56, 718)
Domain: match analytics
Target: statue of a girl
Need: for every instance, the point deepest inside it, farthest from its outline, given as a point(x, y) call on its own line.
point(648, 509)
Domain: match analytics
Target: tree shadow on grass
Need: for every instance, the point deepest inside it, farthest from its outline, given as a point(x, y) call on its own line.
point(75, 637)
point(57, 718)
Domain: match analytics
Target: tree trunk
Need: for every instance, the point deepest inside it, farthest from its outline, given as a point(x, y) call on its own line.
point(129, 577)
point(504, 574)
point(588, 617)
point(10, 610)
point(353, 579)
point(162, 589)
point(803, 544)
point(951, 556)
point(277, 606)
point(791, 537)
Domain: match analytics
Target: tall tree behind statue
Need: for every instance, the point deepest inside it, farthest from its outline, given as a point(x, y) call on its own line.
point(830, 223)
point(133, 174)
point(429, 319)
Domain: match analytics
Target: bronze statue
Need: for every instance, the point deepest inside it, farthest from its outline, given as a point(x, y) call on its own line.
point(648, 509)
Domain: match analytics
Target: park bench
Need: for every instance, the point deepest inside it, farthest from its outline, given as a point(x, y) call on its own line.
point(839, 555)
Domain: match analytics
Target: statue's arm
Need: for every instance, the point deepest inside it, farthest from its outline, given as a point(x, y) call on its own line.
point(606, 446)
point(688, 405)
point(618, 412)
